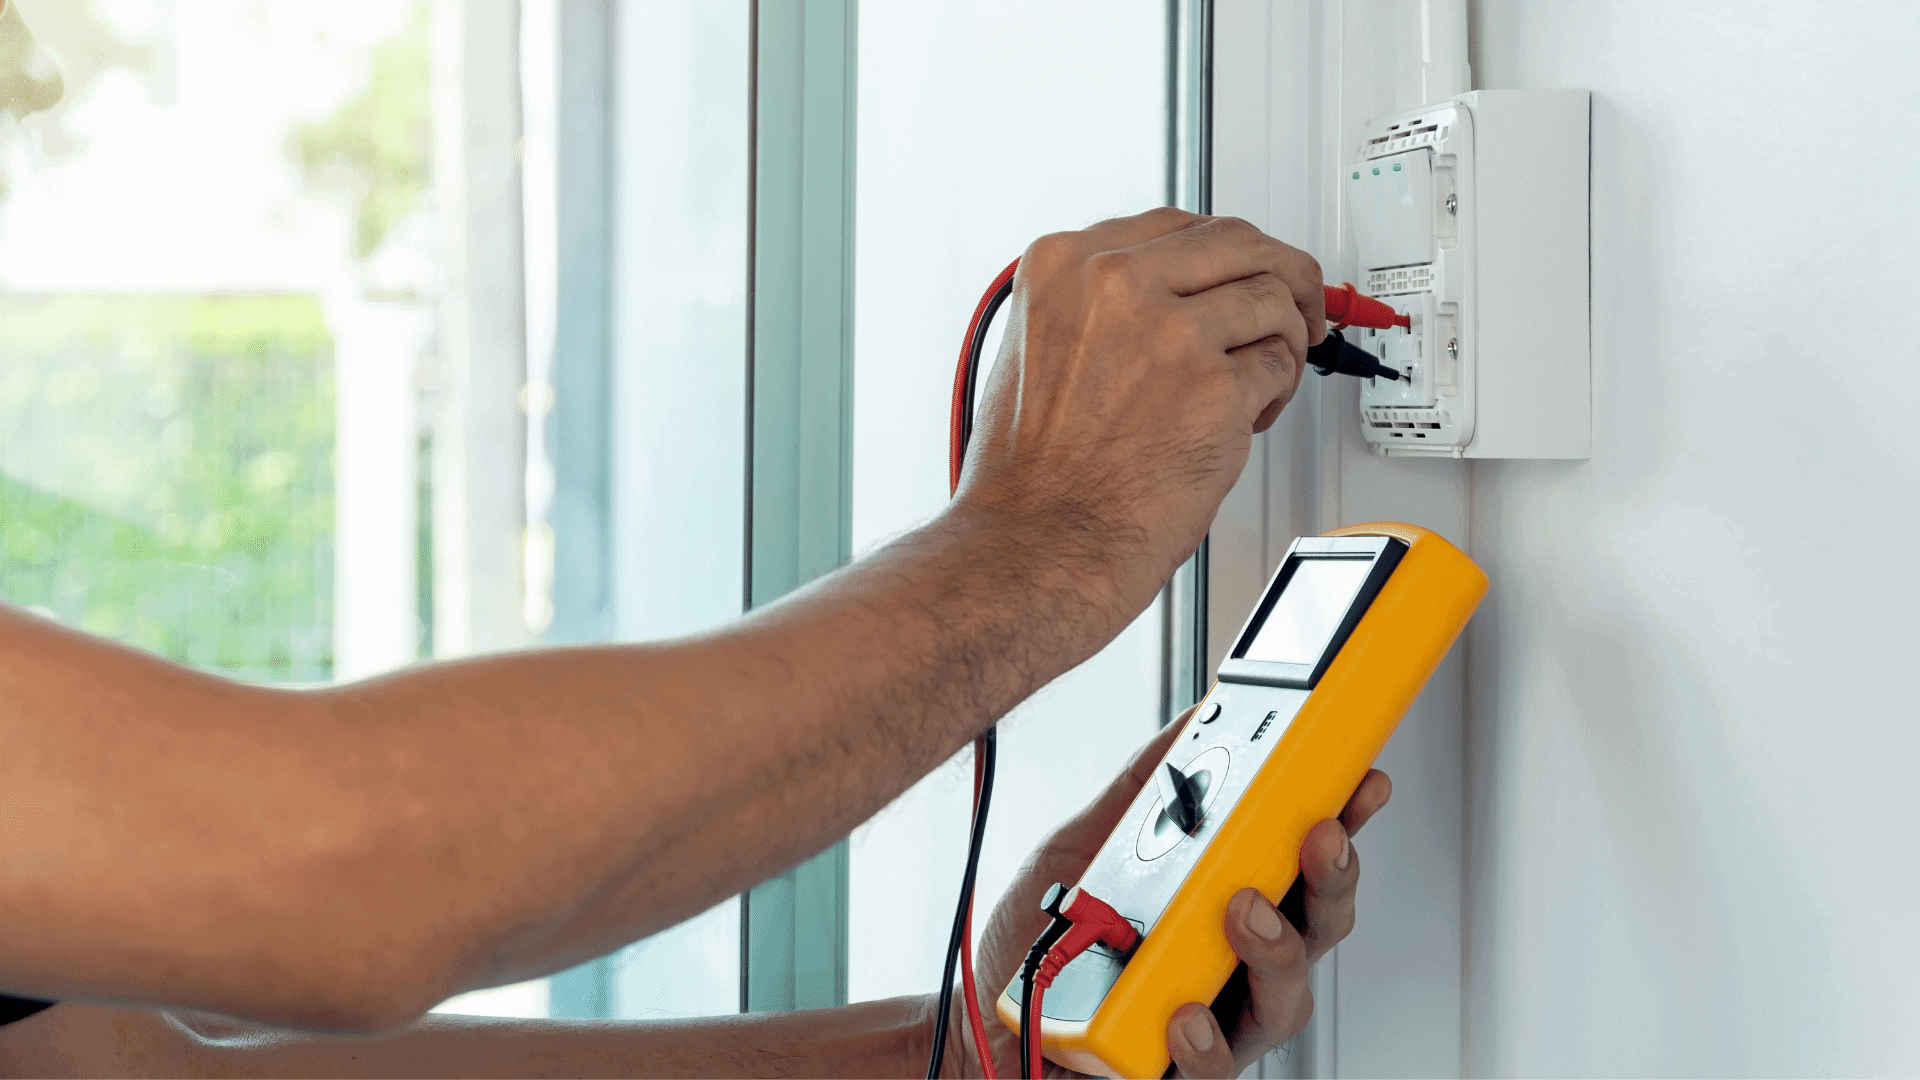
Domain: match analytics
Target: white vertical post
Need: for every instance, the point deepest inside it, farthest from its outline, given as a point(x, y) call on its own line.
point(479, 428)
point(376, 495)
point(1430, 52)
point(540, 189)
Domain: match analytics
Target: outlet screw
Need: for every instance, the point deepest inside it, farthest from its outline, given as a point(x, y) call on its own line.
point(1453, 348)
point(1453, 204)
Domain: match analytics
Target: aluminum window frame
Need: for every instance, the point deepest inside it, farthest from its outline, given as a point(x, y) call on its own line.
point(793, 929)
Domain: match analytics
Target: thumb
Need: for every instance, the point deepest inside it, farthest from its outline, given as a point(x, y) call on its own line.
point(1198, 1046)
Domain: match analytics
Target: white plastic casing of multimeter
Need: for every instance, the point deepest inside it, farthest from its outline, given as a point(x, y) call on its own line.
point(1471, 217)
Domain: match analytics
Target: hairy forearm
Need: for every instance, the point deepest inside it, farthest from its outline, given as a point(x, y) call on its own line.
point(881, 1038)
point(343, 859)
point(709, 766)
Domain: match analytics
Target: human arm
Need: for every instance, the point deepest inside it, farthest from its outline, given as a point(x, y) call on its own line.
point(341, 860)
point(882, 1038)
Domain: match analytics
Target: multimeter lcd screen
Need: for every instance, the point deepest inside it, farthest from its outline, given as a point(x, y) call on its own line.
point(1308, 611)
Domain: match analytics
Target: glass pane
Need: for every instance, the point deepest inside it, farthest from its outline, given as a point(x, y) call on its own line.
point(216, 258)
point(219, 262)
point(680, 317)
point(218, 337)
point(678, 388)
point(982, 126)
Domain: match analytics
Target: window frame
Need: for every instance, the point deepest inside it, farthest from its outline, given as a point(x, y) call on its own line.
point(799, 376)
point(793, 929)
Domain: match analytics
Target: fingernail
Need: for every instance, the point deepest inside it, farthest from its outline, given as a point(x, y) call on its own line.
point(1199, 1031)
point(1346, 854)
point(1264, 921)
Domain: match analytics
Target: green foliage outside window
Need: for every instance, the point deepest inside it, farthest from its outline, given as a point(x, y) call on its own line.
point(378, 148)
point(166, 462)
point(166, 475)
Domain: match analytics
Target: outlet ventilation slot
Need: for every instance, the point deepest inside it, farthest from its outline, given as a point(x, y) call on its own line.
point(1405, 136)
point(1400, 279)
point(1405, 423)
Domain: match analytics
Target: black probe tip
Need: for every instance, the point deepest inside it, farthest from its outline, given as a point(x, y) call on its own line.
point(1338, 355)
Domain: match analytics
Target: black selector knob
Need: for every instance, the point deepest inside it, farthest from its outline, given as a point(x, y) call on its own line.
point(1181, 796)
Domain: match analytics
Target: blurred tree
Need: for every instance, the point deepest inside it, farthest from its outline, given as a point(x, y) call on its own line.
point(29, 79)
point(378, 147)
point(82, 45)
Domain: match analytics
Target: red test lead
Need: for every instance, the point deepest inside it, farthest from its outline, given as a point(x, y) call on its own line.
point(1346, 307)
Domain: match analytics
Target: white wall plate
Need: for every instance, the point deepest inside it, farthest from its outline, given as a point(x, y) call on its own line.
point(1471, 217)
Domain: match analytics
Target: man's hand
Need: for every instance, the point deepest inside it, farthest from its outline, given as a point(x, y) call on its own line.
point(1140, 358)
point(1277, 954)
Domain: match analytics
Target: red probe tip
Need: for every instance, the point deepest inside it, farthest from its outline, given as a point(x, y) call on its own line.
point(1346, 306)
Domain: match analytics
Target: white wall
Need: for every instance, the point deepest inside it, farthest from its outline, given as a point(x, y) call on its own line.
point(1692, 730)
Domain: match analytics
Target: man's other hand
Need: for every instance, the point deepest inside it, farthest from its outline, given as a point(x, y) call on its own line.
point(1141, 356)
point(1277, 954)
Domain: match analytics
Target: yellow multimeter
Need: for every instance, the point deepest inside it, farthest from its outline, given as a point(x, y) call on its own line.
point(1348, 632)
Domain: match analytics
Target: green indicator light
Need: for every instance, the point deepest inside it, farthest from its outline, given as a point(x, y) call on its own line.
point(1396, 168)
point(1376, 170)
point(1356, 176)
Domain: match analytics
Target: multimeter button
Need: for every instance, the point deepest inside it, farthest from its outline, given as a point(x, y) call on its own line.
point(1210, 712)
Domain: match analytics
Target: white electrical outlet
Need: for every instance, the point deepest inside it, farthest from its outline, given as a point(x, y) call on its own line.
point(1471, 217)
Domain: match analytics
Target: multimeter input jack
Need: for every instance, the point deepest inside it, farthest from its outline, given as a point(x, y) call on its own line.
point(1081, 920)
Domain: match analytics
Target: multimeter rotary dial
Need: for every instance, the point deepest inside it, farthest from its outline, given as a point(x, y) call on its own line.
point(1186, 794)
